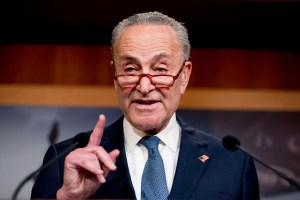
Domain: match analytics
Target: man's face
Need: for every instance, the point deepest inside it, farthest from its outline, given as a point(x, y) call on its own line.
point(150, 49)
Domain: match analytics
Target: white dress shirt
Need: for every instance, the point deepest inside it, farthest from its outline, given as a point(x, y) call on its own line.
point(137, 154)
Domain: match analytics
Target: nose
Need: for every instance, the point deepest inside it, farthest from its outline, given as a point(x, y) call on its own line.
point(145, 85)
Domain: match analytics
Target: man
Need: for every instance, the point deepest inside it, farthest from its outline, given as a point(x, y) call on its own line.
point(150, 59)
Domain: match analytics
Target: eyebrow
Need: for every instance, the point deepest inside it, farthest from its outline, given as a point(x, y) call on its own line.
point(129, 58)
point(155, 59)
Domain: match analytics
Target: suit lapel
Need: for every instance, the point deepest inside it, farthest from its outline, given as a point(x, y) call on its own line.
point(189, 167)
point(119, 181)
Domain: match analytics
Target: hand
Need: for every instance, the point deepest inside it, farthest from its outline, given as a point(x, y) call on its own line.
point(86, 168)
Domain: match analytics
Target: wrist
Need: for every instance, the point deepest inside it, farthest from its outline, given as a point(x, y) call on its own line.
point(62, 194)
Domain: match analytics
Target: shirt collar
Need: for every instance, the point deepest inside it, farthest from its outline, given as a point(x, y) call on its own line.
point(169, 136)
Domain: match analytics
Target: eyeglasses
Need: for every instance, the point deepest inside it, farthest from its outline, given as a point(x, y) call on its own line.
point(159, 81)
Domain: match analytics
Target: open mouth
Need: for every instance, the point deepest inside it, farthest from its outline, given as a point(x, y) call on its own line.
point(145, 102)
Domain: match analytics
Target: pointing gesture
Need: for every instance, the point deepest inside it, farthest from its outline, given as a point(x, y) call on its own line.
point(86, 168)
point(97, 133)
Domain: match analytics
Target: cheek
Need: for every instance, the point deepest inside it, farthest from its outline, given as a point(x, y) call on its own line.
point(179, 90)
point(123, 97)
point(172, 98)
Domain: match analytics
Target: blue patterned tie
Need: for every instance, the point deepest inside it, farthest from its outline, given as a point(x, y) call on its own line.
point(154, 184)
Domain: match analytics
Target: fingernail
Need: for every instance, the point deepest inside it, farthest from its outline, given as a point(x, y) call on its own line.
point(103, 180)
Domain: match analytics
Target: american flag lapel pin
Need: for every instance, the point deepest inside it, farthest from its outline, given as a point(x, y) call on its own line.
point(203, 158)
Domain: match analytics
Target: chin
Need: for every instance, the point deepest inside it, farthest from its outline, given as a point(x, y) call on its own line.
point(148, 124)
point(145, 125)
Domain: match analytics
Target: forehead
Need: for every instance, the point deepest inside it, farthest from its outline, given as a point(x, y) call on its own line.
point(142, 40)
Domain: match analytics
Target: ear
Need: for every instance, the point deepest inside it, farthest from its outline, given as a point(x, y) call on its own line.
point(185, 76)
point(112, 64)
point(115, 85)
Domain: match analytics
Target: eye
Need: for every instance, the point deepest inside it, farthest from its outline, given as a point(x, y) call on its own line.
point(130, 69)
point(161, 70)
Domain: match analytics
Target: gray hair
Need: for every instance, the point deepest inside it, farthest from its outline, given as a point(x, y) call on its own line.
point(155, 18)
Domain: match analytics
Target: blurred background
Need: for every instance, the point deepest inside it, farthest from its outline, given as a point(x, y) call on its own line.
point(55, 78)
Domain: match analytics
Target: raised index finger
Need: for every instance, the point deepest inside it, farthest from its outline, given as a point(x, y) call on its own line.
point(97, 133)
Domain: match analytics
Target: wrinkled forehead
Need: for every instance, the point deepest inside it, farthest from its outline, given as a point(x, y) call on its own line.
point(146, 39)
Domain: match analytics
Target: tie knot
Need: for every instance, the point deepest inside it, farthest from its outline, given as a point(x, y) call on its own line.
point(150, 142)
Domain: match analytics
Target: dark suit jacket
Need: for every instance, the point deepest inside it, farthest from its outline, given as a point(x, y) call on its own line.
point(225, 175)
